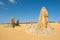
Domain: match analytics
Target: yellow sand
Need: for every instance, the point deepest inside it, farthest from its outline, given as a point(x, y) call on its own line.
point(19, 33)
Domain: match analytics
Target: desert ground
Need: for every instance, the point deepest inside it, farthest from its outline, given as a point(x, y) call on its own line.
point(21, 33)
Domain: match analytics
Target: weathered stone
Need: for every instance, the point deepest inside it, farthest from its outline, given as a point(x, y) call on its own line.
point(12, 23)
point(43, 18)
point(17, 23)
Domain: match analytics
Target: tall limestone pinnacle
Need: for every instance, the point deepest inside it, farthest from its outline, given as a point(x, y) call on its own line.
point(43, 26)
point(43, 18)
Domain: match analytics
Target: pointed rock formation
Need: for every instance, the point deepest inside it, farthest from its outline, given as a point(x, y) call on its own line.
point(43, 26)
point(12, 23)
point(43, 18)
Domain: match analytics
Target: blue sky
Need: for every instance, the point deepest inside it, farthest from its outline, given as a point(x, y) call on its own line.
point(28, 10)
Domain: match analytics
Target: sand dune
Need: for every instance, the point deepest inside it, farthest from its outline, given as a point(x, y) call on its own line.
point(21, 33)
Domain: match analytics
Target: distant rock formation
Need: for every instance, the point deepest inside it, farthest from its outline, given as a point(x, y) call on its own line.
point(12, 22)
point(17, 23)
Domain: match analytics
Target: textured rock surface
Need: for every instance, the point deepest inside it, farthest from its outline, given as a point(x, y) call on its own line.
point(12, 23)
point(43, 26)
point(43, 18)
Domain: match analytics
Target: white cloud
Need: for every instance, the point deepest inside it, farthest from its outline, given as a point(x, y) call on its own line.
point(12, 1)
point(1, 3)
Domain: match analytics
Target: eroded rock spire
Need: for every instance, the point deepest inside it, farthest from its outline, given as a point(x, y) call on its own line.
point(43, 18)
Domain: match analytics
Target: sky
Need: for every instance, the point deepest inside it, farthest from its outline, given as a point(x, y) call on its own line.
point(28, 10)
